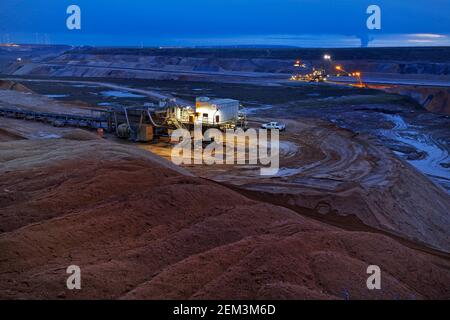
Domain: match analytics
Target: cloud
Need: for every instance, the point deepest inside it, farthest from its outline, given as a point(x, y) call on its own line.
point(429, 35)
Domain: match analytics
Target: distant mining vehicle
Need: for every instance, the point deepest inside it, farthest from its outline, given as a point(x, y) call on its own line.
point(317, 75)
point(147, 123)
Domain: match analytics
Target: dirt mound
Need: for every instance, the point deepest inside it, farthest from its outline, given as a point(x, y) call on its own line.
point(296, 264)
point(12, 85)
point(433, 99)
point(40, 103)
point(139, 227)
point(347, 178)
point(7, 135)
point(80, 135)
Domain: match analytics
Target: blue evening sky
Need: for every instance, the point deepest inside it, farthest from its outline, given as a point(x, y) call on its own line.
point(307, 23)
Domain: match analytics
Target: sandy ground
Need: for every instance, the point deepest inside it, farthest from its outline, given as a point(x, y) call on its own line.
point(148, 93)
point(334, 172)
point(140, 227)
point(341, 177)
point(419, 137)
point(35, 102)
point(32, 130)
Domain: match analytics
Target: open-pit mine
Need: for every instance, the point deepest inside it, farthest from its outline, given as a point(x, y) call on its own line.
point(88, 178)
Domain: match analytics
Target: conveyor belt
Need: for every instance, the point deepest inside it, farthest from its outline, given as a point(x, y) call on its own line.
point(57, 118)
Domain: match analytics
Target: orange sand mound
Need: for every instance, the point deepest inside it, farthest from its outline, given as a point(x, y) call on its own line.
point(141, 228)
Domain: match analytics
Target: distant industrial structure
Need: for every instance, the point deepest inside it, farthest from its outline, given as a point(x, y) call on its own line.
point(146, 123)
point(322, 73)
point(317, 75)
point(159, 120)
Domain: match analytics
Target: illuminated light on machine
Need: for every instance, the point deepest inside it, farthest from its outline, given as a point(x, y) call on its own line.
point(340, 68)
point(297, 63)
point(357, 75)
point(327, 57)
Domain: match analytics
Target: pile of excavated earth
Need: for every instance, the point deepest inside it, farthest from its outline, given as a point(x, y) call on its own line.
point(13, 85)
point(140, 227)
point(346, 178)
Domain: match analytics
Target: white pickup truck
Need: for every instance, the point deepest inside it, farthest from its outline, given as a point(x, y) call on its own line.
point(274, 125)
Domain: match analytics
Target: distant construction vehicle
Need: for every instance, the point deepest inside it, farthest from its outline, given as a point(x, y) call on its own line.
point(144, 124)
point(317, 75)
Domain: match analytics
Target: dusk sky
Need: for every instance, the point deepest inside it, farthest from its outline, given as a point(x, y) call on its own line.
point(227, 22)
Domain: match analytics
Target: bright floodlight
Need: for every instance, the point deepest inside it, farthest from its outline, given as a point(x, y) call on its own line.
point(327, 57)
